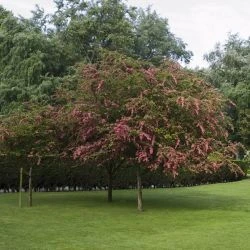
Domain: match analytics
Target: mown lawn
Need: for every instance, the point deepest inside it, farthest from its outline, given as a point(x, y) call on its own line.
point(205, 217)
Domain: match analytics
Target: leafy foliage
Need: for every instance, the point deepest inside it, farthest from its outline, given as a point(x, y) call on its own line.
point(154, 41)
point(154, 117)
point(229, 71)
point(33, 135)
point(35, 52)
point(53, 175)
point(29, 63)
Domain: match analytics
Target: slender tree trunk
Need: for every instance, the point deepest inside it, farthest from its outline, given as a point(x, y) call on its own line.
point(111, 170)
point(110, 186)
point(139, 190)
point(20, 187)
point(30, 187)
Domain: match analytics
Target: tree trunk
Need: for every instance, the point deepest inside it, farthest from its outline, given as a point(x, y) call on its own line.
point(20, 187)
point(110, 186)
point(111, 170)
point(139, 190)
point(30, 187)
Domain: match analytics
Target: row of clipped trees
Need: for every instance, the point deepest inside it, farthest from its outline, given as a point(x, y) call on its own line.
point(51, 176)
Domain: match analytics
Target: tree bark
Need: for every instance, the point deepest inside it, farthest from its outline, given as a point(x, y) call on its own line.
point(110, 186)
point(139, 190)
point(30, 187)
point(20, 187)
point(111, 170)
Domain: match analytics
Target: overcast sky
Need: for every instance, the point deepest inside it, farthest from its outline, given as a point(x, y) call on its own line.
point(200, 23)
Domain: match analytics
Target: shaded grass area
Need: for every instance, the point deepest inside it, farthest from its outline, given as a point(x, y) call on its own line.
point(205, 217)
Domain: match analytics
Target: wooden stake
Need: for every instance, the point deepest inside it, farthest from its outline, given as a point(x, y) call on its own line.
point(30, 187)
point(20, 187)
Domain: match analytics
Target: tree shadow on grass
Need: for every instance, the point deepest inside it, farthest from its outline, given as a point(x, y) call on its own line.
point(160, 199)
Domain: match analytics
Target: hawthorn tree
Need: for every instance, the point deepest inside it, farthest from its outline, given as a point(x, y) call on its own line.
point(128, 111)
point(31, 136)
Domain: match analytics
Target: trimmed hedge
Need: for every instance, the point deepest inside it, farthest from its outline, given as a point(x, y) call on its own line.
point(54, 175)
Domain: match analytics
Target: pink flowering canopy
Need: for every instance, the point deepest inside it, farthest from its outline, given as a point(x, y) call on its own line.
point(152, 116)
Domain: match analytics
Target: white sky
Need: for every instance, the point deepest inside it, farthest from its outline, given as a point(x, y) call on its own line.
point(200, 23)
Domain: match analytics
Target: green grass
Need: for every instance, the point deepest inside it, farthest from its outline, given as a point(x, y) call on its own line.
point(205, 217)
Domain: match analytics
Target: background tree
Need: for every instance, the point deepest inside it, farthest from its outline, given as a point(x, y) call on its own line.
point(154, 41)
point(113, 25)
point(37, 52)
point(230, 72)
point(29, 65)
